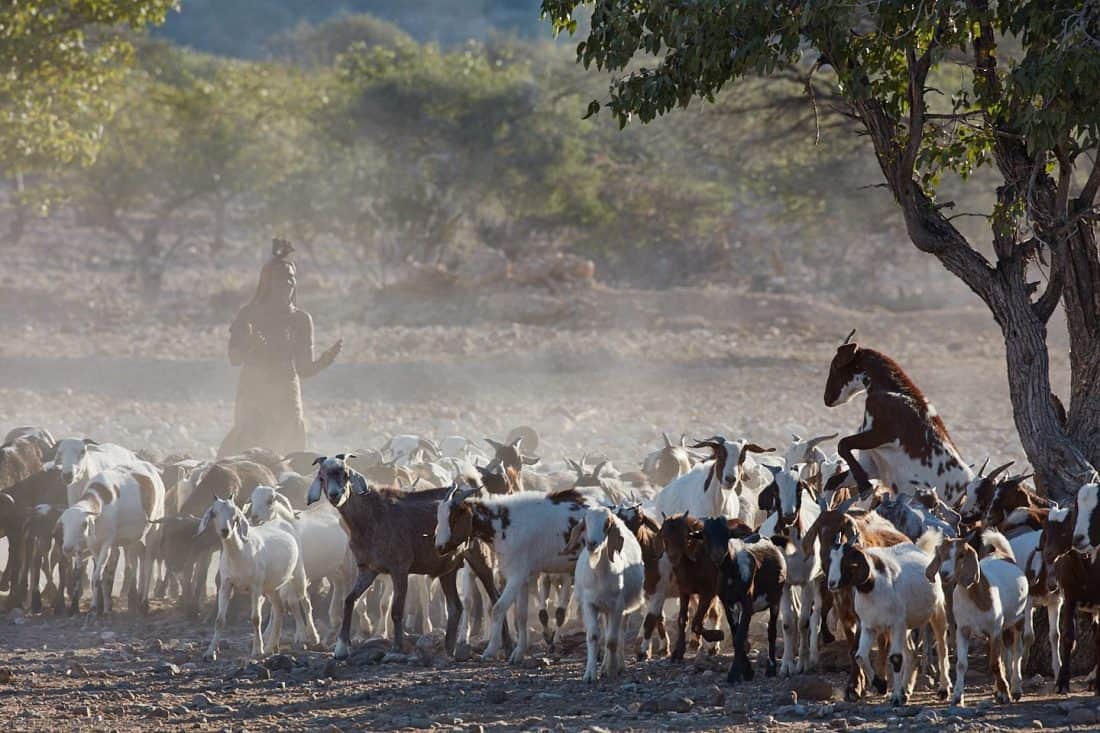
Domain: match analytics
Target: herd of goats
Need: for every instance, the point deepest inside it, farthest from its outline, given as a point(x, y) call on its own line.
point(892, 539)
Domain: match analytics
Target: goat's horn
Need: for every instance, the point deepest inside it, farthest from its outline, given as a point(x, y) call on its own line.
point(813, 442)
point(981, 470)
point(849, 337)
point(598, 468)
point(668, 440)
point(999, 470)
point(846, 504)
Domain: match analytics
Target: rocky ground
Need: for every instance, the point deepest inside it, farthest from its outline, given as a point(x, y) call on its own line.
point(593, 370)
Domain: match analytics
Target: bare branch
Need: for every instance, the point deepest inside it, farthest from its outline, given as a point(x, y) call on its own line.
point(1044, 307)
point(1088, 191)
point(918, 74)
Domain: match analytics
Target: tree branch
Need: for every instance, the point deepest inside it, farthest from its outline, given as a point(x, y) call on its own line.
point(918, 74)
point(1088, 191)
point(1048, 301)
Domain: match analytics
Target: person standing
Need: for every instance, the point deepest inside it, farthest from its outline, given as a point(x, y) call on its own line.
point(271, 339)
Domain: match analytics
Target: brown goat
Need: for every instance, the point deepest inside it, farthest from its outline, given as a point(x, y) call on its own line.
point(229, 478)
point(659, 580)
point(871, 530)
point(504, 473)
point(17, 502)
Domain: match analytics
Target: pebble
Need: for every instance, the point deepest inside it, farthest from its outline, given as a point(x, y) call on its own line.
point(220, 710)
point(463, 653)
point(906, 711)
point(495, 696)
point(167, 668)
point(280, 662)
point(108, 635)
point(711, 696)
point(77, 671)
point(840, 724)
point(200, 701)
point(7, 676)
point(812, 688)
point(928, 717)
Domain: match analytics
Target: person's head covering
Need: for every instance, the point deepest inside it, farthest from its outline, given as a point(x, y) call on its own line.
point(278, 267)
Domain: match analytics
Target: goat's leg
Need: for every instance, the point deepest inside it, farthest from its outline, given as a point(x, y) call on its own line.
point(521, 626)
point(543, 587)
point(146, 569)
point(107, 579)
point(613, 637)
point(773, 615)
point(301, 607)
point(484, 574)
point(864, 441)
point(397, 608)
point(962, 664)
point(219, 623)
point(1054, 607)
point(939, 636)
point(566, 601)
point(1067, 622)
point(790, 631)
point(449, 583)
point(736, 673)
point(654, 617)
point(255, 615)
point(996, 668)
point(279, 603)
point(36, 547)
point(826, 605)
point(591, 640)
point(101, 593)
point(512, 587)
point(812, 598)
point(1014, 659)
point(681, 626)
point(863, 652)
point(362, 581)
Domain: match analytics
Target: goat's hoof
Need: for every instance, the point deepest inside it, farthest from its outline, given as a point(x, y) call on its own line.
point(1017, 694)
point(1000, 696)
point(851, 694)
point(943, 693)
point(210, 657)
point(748, 674)
point(897, 700)
point(895, 662)
point(1062, 688)
point(341, 651)
point(879, 684)
point(769, 671)
point(712, 635)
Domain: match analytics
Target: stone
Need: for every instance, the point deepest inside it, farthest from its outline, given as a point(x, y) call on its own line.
point(167, 668)
point(331, 669)
point(7, 676)
point(108, 635)
point(840, 724)
point(906, 711)
point(15, 616)
point(280, 662)
point(711, 696)
point(928, 717)
point(425, 649)
point(495, 696)
point(675, 703)
point(812, 688)
point(77, 671)
point(220, 710)
point(1082, 716)
point(200, 701)
point(463, 652)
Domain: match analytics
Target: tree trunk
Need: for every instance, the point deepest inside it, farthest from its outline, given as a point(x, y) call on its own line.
point(1081, 300)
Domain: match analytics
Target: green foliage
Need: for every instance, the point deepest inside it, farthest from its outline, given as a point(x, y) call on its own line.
point(58, 61)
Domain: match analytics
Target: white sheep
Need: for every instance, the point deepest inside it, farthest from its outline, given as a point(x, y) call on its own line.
point(608, 581)
point(893, 595)
point(260, 561)
point(990, 599)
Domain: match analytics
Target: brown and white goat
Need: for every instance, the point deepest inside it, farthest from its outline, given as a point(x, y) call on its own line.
point(902, 437)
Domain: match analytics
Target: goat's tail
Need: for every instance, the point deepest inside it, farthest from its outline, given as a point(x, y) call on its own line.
point(929, 541)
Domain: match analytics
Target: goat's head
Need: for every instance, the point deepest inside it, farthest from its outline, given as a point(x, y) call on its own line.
point(784, 494)
point(336, 480)
point(806, 450)
point(951, 562)
point(849, 564)
point(847, 377)
point(454, 523)
point(77, 526)
point(716, 535)
point(1086, 530)
point(730, 459)
point(597, 529)
point(682, 537)
point(585, 476)
point(1055, 540)
point(227, 519)
point(631, 515)
point(70, 455)
point(980, 491)
point(264, 502)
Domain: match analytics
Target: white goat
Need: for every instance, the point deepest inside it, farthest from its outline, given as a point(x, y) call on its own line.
point(528, 532)
point(322, 542)
point(727, 485)
point(260, 561)
point(608, 581)
point(990, 599)
point(115, 510)
point(893, 595)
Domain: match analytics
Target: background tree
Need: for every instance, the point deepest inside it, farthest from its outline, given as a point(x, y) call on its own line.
point(1033, 116)
point(57, 63)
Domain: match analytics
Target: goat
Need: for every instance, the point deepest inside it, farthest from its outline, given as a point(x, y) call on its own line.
point(17, 502)
point(18, 460)
point(902, 435)
point(667, 463)
point(696, 573)
point(870, 530)
point(609, 581)
point(265, 562)
point(806, 451)
point(912, 517)
point(990, 599)
point(42, 554)
point(724, 486)
point(322, 541)
point(41, 438)
point(751, 578)
point(1065, 544)
point(504, 472)
point(229, 478)
point(186, 554)
point(82, 458)
point(527, 531)
point(993, 501)
point(115, 510)
point(389, 532)
point(792, 511)
point(659, 582)
point(893, 595)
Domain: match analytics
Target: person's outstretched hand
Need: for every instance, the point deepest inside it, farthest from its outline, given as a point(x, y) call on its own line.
point(333, 351)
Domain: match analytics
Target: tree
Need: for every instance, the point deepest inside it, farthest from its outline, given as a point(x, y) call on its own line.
point(56, 61)
point(1026, 109)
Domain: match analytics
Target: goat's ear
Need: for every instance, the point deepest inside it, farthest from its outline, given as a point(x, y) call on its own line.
point(530, 460)
point(767, 499)
point(242, 526)
point(967, 570)
point(614, 538)
point(89, 441)
point(204, 522)
point(691, 544)
point(314, 493)
point(846, 354)
point(933, 568)
point(359, 483)
point(755, 448)
point(573, 544)
point(280, 499)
